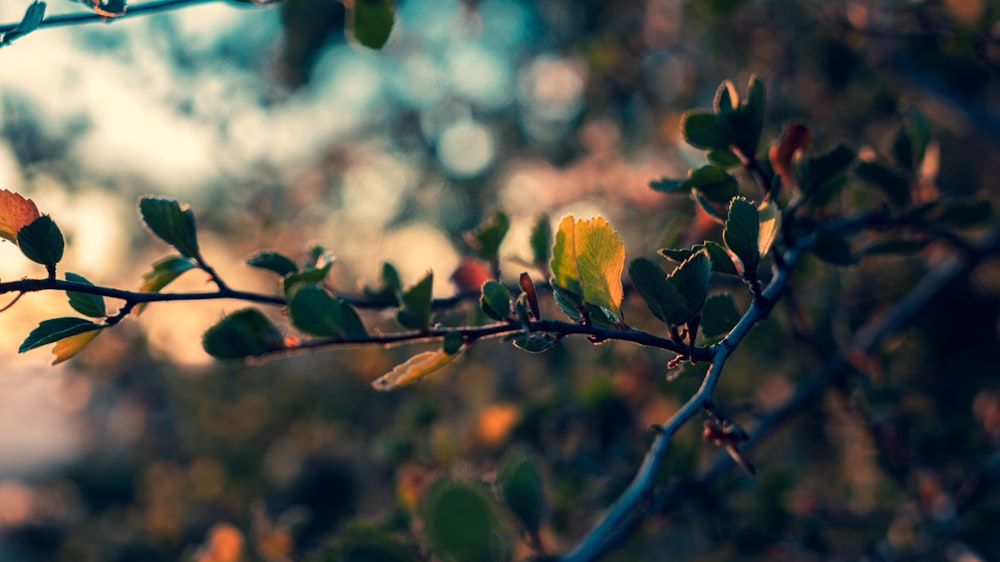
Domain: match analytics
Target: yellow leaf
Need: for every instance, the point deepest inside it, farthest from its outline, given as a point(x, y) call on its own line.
point(414, 369)
point(15, 212)
point(66, 348)
point(587, 260)
point(770, 225)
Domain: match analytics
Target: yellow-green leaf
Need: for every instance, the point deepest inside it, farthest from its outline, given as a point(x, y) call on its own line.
point(414, 369)
point(587, 260)
point(67, 348)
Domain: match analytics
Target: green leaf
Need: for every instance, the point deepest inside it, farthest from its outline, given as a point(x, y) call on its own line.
point(742, 234)
point(312, 310)
point(724, 158)
point(164, 272)
point(55, 329)
point(690, 279)
point(391, 286)
point(662, 297)
point(85, 303)
point(708, 207)
point(172, 223)
point(703, 130)
point(29, 22)
point(902, 150)
point(751, 117)
point(452, 342)
point(495, 300)
point(964, 213)
point(587, 261)
point(726, 99)
point(667, 185)
point(714, 183)
point(894, 184)
point(372, 21)
point(535, 342)
point(520, 484)
point(719, 315)
point(541, 242)
point(415, 313)
point(722, 262)
point(460, 522)
point(273, 261)
point(817, 171)
point(894, 247)
point(485, 240)
point(833, 249)
point(569, 303)
point(41, 241)
point(244, 333)
point(305, 277)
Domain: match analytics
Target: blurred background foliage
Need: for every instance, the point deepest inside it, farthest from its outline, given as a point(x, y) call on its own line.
point(281, 134)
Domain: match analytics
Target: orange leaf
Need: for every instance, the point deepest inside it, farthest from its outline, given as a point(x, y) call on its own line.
point(68, 347)
point(15, 212)
point(414, 369)
point(795, 139)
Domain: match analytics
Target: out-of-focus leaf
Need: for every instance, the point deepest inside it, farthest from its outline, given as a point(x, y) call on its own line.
point(587, 261)
point(273, 261)
point(815, 172)
point(29, 22)
point(41, 241)
point(709, 207)
point(894, 247)
point(485, 240)
point(714, 183)
point(414, 369)
point(742, 234)
point(244, 333)
point(724, 158)
point(726, 99)
point(794, 139)
point(520, 485)
point(719, 315)
point(703, 130)
point(415, 313)
point(55, 329)
point(894, 184)
point(667, 185)
point(390, 288)
point(662, 297)
point(305, 277)
point(452, 342)
point(69, 347)
point(368, 545)
point(372, 21)
point(164, 272)
point(751, 117)
point(963, 213)
point(172, 223)
point(541, 243)
point(495, 300)
point(312, 310)
point(85, 303)
point(833, 249)
point(107, 8)
point(722, 262)
point(461, 523)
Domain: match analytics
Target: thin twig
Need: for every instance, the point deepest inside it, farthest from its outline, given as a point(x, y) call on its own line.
point(93, 17)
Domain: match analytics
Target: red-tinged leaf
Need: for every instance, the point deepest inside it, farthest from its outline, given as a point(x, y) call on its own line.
point(16, 212)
